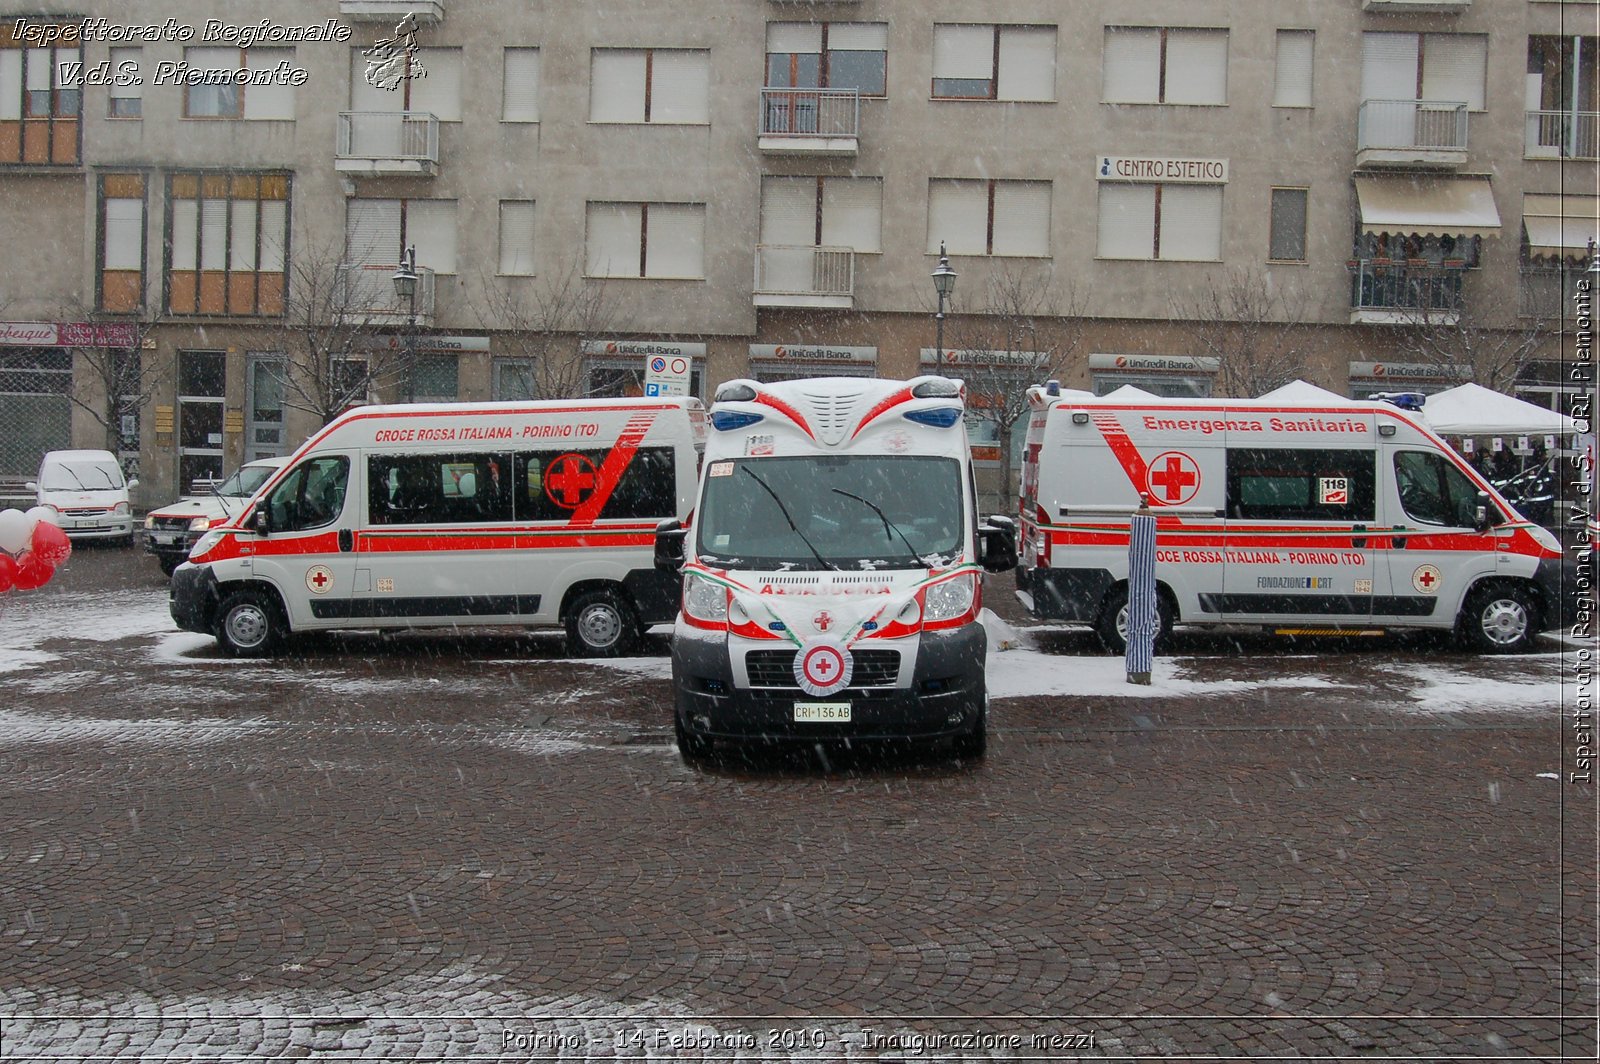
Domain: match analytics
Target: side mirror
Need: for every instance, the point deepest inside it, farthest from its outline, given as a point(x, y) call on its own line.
point(261, 521)
point(670, 535)
point(997, 544)
point(1480, 517)
point(32, 485)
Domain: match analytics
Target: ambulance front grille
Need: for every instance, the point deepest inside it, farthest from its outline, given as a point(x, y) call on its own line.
point(775, 668)
point(833, 415)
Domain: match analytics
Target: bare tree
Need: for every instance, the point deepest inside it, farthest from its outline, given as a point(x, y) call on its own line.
point(546, 322)
point(1462, 343)
point(1252, 327)
point(1022, 332)
point(113, 383)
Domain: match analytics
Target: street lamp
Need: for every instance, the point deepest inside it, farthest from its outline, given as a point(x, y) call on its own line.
point(944, 282)
point(405, 287)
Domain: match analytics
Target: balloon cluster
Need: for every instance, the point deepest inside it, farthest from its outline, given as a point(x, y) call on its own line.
point(32, 545)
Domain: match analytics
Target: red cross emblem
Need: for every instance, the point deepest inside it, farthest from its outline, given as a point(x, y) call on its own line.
point(823, 667)
point(319, 578)
point(568, 480)
point(823, 621)
point(1174, 478)
point(1425, 579)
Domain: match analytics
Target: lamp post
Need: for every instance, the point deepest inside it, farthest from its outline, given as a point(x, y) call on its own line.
point(944, 282)
point(405, 287)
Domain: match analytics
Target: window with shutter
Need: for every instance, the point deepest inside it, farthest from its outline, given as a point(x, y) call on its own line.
point(126, 101)
point(1145, 64)
point(1454, 67)
point(519, 99)
point(516, 237)
point(989, 217)
point(226, 238)
point(789, 211)
point(1292, 80)
point(616, 85)
point(612, 240)
point(1191, 223)
point(958, 217)
point(675, 240)
point(213, 101)
point(852, 213)
point(963, 61)
point(1027, 63)
point(1197, 67)
point(268, 102)
point(1288, 225)
point(794, 55)
point(373, 231)
point(1127, 221)
point(857, 56)
point(430, 227)
point(1021, 218)
point(438, 94)
point(680, 86)
point(1132, 65)
point(1389, 66)
point(368, 97)
point(122, 237)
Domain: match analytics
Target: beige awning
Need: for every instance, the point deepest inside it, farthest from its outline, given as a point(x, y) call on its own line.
point(1426, 205)
point(1560, 226)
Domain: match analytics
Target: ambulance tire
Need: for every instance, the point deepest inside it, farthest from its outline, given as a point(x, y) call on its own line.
point(250, 624)
point(1500, 618)
point(691, 747)
point(601, 624)
point(1113, 621)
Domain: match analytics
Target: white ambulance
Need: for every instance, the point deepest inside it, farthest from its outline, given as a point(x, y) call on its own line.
point(832, 576)
point(430, 515)
point(1348, 516)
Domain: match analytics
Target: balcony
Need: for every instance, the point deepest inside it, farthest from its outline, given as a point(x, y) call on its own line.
point(1416, 7)
point(810, 121)
point(364, 295)
point(387, 144)
point(805, 277)
point(1404, 292)
point(1428, 134)
point(426, 11)
point(1563, 135)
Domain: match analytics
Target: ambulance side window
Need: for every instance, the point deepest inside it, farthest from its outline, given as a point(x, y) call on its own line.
point(1434, 491)
point(311, 496)
point(1283, 484)
point(438, 489)
point(553, 485)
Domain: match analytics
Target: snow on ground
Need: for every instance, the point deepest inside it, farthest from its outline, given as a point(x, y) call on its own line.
point(21, 728)
point(1024, 672)
point(101, 618)
point(1443, 690)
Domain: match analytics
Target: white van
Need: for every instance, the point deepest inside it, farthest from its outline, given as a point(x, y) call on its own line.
point(1337, 517)
point(87, 490)
point(430, 515)
point(832, 576)
point(171, 530)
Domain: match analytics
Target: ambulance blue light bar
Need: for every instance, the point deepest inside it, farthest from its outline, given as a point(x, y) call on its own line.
point(1404, 400)
point(940, 417)
point(726, 420)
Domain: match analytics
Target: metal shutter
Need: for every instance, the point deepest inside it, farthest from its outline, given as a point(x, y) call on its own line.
point(785, 38)
point(1197, 66)
point(1132, 70)
point(958, 215)
point(1191, 222)
point(676, 240)
point(268, 102)
point(242, 235)
point(612, 240)
point(1127, 221)
point(516, 237)
point(1027, 63)
point(616, 85)
point(1292, 83)
point(119, 57)
point(10, 84)
point(519, 97)
point(1022, 218)
point(1389, 66)
point(185, 225)
point(431, 229)
point(680, 90)
point(858, 36)
point(274, 232)
point(439, 94)
point(852, 213)
point(368, 97)
point(213, 234)
point(1453, 67)
point(963, 53)
point(789, 211)
point(124, 234)
point(372, 231)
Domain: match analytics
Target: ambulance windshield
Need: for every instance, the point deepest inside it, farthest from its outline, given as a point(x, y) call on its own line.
point(827, 512)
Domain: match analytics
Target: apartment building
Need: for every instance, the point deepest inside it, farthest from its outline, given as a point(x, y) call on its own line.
point(206, 211)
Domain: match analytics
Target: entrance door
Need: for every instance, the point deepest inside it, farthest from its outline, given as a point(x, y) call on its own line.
point(263, 406)
point(202, 376)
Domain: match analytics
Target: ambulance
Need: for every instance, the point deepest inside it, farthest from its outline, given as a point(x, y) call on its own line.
point(832, 570)
point(435, 515)
point(1306, 519)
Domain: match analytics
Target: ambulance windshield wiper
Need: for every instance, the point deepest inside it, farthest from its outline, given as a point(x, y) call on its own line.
point(786, 516)
point(887, 524)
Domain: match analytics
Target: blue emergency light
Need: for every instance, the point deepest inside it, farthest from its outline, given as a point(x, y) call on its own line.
point(726, 420)
point(940, 417)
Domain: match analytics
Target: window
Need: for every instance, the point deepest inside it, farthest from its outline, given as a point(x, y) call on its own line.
point(311, 496)
point(1562, 95)
point(41, 102)
point(1146, 64)
point(516, 237)
point(664, 86)
point(609, 378)
point(994, 62)
point(127, 95)
point(377, 231)
point(828, 55)
point(438, 489)
point(550, 485)
point(1288, 238)
point(989, 217)
point(1278, 484)
point(433, 85)
point(1292, 85)
point(519, 98)
point(435, 378)
point(1433, 491)
point(822, 212)
point(656, 240)
point(1180, 223)
point(248, 83)
point(514, 379)
point(226, 235)
point(120, 284)
point(1424, 66)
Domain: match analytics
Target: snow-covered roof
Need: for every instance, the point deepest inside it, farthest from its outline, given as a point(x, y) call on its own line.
point(1470, 409)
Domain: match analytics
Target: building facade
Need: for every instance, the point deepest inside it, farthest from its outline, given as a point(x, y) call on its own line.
point(206, 214)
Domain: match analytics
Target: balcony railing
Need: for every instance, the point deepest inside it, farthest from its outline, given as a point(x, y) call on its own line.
point(1563, 135)
point(364, 293)
point(404, 143)
point(391, 10)
point(804, 276)
point(1384, 291)
point(810, 121)
point(1429, 133)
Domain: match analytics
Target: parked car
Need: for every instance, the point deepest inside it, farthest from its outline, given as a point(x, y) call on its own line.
point(170, 531)
point(1533, 492)
point(88, 492)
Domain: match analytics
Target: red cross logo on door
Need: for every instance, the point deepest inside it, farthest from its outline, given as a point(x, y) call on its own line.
point(569, 480)
point(1174, 478)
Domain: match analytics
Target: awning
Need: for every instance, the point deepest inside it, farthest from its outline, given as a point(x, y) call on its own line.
point(1560, 226)
point(1426, 206)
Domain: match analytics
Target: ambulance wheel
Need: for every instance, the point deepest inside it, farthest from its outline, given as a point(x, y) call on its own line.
point(1500, 619)
point(249, 624)
point(601, 625)
point(1112, 624)
point(691, 747)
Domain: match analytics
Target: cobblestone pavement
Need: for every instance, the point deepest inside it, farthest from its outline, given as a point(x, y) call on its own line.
point(425, 847)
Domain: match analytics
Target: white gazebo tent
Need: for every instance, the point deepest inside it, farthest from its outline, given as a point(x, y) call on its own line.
point(1304, 393)
point(1473, 410)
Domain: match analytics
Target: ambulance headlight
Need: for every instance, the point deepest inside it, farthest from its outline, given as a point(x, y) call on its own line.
point(704, 600)
point(205, 543)
point(948, 600)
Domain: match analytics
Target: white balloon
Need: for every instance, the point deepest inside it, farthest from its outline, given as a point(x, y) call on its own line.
point(16, 532)
point(45, 514)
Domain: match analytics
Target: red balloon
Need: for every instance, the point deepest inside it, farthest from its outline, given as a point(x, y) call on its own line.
point(8, 571)
point(33, 571)
point(51, 544)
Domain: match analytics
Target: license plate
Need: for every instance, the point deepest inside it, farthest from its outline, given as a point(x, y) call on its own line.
point(167, 540)
point(822, 712)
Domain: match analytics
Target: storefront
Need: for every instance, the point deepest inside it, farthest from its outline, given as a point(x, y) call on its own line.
point(43, 366)
point(784, 362)
point(1178, 376)
point(616, 368)
point(1372, 378)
